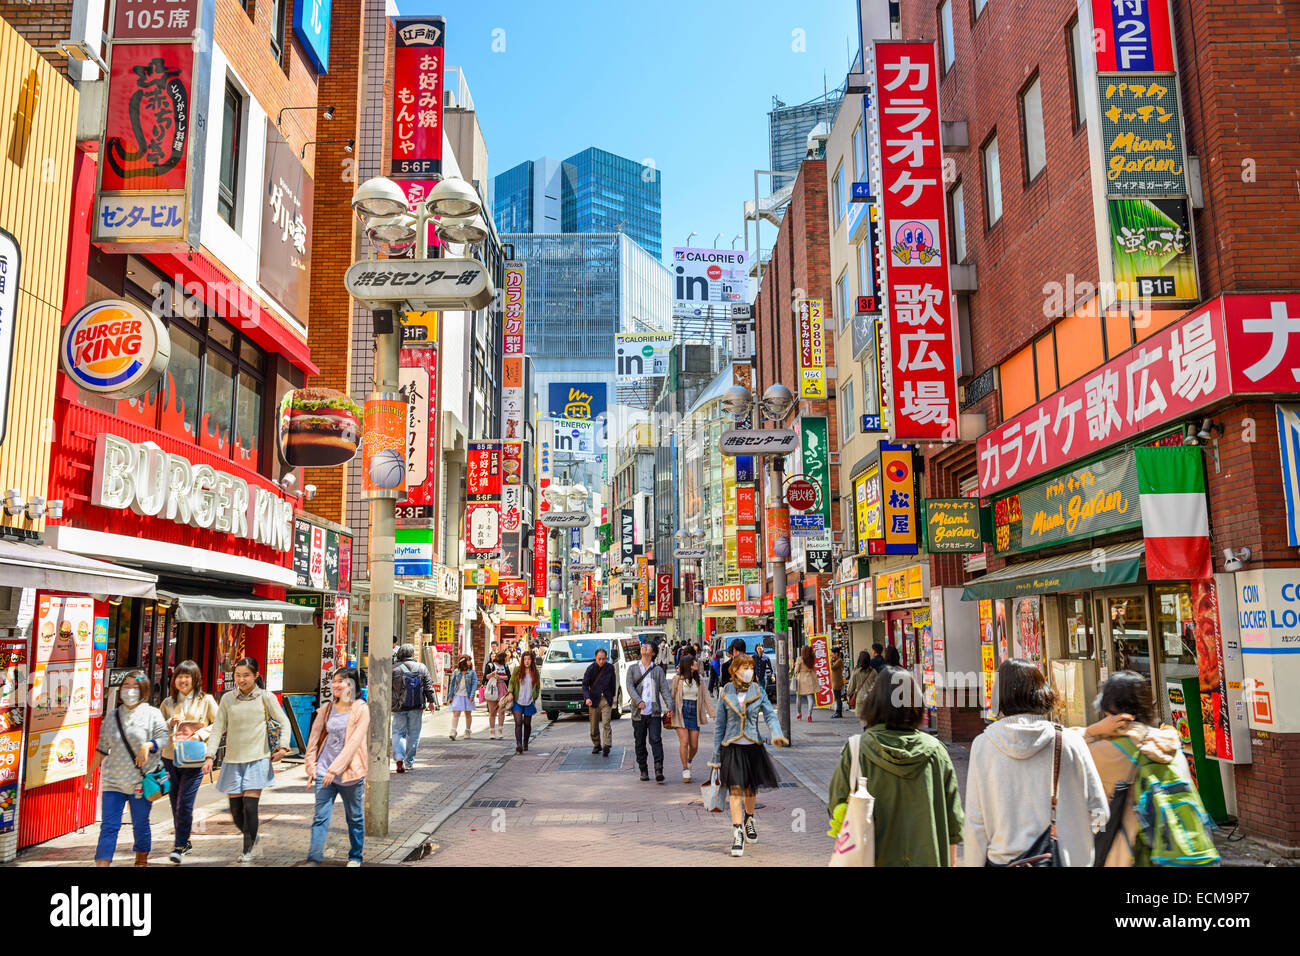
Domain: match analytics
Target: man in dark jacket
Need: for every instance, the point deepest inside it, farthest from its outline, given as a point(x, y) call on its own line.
point(412, 690)
point(763, 671)
point(877, 657)
point(737, 647)
point(598, 685)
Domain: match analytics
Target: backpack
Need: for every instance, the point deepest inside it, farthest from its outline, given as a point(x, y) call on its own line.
point(1173, 827)
point(408, 688)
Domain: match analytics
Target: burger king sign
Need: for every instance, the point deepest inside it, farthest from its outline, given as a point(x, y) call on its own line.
point(115, 348)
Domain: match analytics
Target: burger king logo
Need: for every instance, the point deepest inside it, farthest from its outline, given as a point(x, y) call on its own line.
point(114, 347)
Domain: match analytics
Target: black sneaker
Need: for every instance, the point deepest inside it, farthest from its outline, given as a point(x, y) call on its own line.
point(518, 749)
point(645, 774)
point(751, 833)
point(187, 849)
point(605, 751)
point(596, 749)
point(659, 774)
point(738, 841)
point(175, 855)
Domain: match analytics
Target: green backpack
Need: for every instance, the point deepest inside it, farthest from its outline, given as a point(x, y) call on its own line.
point(1173, 827)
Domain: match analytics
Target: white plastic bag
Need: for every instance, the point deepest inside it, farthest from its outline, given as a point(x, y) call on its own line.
point(856, 844)
point(711, 793)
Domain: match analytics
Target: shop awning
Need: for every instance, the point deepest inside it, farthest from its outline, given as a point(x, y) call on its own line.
point(1076, 571)
point(25, 565)
point(220, 609)
point(519, 619)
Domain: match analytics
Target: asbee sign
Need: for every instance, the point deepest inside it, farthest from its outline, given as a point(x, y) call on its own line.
point(115, 348)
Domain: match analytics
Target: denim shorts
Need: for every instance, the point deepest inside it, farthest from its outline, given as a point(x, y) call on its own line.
point(235, 778)
point(689, 721)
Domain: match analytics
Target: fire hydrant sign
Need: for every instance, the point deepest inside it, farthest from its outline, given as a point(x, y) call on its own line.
point(922, 336)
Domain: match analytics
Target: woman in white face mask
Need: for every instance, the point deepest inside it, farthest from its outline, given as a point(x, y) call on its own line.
point(738, 753)
point(130, 746)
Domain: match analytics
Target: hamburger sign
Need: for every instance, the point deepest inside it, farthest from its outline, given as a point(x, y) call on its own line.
point(115, 348)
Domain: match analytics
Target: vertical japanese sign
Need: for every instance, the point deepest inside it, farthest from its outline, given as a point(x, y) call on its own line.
point(284, 255)
point(643, 583)
point(13, 698)
point(812, 349)
point(483, 499)
point(922, 330)
point(539, 561)
point(512, 353)
point(417, 378)
point(816, 464)
point(820, 645)
point(746, 548)
point(746, 506)
point(899, 493)
point(10, 266)
point(152, 158)
point(417, 96)
point(512, 504)
point(58, 738)
point(664, 594)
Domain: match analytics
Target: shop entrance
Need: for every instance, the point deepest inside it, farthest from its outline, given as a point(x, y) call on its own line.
point(1123, 618)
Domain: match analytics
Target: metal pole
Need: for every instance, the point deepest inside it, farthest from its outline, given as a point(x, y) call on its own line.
point(383, 610)
point(777, 499)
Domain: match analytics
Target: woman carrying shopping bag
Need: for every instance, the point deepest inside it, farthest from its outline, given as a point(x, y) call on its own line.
point(496, 687)
point(130, 745)
point(463, 687)
point(917, 812)
point(189, 714)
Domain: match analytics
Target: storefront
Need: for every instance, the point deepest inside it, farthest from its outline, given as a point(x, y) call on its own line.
point(902, 603)
point(854, 608)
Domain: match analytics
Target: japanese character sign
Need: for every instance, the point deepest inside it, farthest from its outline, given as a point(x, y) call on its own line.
point(284, 254)
point(922, 337)
point(417, 96)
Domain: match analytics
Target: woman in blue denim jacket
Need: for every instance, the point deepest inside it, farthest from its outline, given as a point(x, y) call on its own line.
point(739, 754)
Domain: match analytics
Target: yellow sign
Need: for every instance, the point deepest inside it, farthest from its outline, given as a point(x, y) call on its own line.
point(643, 583)
point(895, 586)
point(860, 511)
point(419, 328)
point(444, 632)
point(812, 349)
point(899, 497)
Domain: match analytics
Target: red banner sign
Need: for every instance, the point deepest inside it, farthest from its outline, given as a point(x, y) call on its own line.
point(664, 594)
point(746, 505)
point(417, 96)
point(749, 608)
point(1132, 35)
point(418, 375)
point(483, 527)
point(513, 331)
point(922, 332)
point(778, 534)
point(746, 548)
point(147, 125)
point(483, 472)
point(539, 561)
point(725, 594)
point(513, 593)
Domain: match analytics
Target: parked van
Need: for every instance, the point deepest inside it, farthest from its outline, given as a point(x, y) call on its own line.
point(567, 660)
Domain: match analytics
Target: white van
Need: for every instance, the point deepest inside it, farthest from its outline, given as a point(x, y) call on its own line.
point(567, 659)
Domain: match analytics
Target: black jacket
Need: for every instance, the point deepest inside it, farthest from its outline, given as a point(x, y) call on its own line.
point(599, 682)
point(877, 663)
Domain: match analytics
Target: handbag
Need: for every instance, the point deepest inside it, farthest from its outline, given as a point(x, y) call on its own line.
point(272, 728)
point(188, 751)
point(1045, 851)
point(155, 784)
point(711, 793)
point(856, 843)
point(491, 689)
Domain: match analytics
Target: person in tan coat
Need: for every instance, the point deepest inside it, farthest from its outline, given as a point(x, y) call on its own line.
point(859, 689)
point(691, 710)
point(1128, 712)
point(805, 682)
point(837, 680)
point(336, 764)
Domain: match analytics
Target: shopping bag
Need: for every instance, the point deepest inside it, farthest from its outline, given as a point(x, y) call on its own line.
point(711, 793)
point(856, 844)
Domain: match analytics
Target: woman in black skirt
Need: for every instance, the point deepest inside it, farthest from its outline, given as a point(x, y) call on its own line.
point(739, 753)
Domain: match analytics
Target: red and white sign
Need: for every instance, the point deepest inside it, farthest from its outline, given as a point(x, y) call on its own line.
point(801, 494)
point(483, 527)
point(725, 594)
point(746, 548)
point(316, 565)
point(513, 593)
point(417, 96)
point(1243, 344)
point(513, 330)
point(922, 317)
point(483, 471)
point(822, 668)
point(746, 505)
point(664, 594)
point(418, 378)
point(1132, 36)
point(749, 608)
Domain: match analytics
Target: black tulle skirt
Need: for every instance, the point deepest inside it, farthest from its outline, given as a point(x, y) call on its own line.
point(749, 767)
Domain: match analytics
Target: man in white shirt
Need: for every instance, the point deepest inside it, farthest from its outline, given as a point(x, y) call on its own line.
point(647, 689)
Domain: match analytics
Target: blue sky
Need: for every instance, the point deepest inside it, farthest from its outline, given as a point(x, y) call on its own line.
point(685, 83)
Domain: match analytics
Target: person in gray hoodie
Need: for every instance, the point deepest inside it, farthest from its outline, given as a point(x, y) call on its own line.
point(1009, 783)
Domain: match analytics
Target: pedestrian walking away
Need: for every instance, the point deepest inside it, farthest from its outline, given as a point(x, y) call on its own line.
point(837, 680)
point(598, 684)
point(462, 689)
point(877, 657)
point(692, 709)
point(412, 692)
point(918, 817)
point(336, 763)
point(1130, 750)
point(1028, 775)
point(525, 685)
point(496, 687)
point(647, 689)
point(254, 725)
point(130, 745)
point(860, 684)
point(189, 713)
point(805, 682)
point(739, 752)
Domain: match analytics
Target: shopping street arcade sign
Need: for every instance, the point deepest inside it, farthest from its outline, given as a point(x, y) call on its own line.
point(758, 441)
point(421, 284)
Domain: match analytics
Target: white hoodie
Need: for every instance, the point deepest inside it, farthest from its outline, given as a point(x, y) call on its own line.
point(1009, 793)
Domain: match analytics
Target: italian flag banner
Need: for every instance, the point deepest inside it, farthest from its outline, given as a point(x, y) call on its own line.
point(1175, 516)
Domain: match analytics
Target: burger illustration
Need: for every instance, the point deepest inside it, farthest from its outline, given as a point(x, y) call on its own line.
point(65, 631)
point(318, 427)
point(83, 630)
point(65, 751)
point(47, 632)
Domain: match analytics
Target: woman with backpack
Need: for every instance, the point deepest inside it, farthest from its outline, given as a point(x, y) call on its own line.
point(918, 818)
point(463, 687)
point(336, 763)
point(189, 713)
point(859, 689)
point(524, 689)
point(1029, 777)
point(1133, 754)
point(496, 687)
point(130, 744)
point(805, 681)
point(254, 726)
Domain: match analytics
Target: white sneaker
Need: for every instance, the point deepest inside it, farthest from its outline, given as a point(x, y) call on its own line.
point(686, 775)
point(452, 735)
point(738, 841)
point(354, 862)
point(468, 734)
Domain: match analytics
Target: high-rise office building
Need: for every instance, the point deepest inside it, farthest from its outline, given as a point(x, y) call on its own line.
point(788, 128)
point(590, 192)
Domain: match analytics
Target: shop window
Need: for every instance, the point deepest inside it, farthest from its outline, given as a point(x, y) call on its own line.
point(1078, 636)
point(218, 402)
point(1027, 630)
point(180, 411)
point(248, 420)
point(1129, 634)
point(1175, 633)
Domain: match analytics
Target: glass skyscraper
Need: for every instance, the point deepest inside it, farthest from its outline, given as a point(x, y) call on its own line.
point(593, 191)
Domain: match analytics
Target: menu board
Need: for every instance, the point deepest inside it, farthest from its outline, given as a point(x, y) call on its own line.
point(13, 692)
point(331, 560)
point(58, 738)
point(302, 552)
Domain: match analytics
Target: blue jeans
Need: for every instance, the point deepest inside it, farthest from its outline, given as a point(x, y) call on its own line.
point(406, 734)
point(353, 795)
point(185, 788)
point(113, 805)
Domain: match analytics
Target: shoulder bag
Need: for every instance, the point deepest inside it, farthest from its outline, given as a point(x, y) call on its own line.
point(155, 784)
point(856, 844)
point(188, 752)
point(272, 728)
point(1045, 851)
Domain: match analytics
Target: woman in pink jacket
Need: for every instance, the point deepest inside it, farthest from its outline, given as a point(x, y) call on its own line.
point(337, 759)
